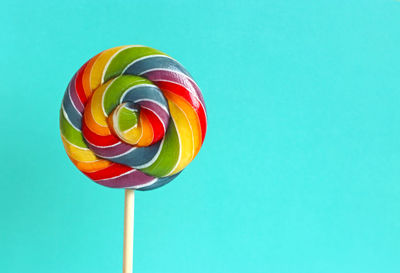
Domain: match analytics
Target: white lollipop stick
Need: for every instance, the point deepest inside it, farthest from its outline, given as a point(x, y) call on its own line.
point(128, 231)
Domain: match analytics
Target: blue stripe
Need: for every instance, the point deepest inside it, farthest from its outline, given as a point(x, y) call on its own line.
point(156, 62)
point(72, 113)
point(138, 156)
point(160, 182)
point(145, 92)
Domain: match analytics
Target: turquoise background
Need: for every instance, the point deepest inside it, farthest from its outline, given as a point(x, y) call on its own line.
point(299, 172)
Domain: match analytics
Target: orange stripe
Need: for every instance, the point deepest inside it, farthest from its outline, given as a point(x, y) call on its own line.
point(78, 153)
point(92, 124)
point(191, 115)
point(86, 76)
point(91, 166)
point(147, 135)
point(185, 137)
point(96, 76)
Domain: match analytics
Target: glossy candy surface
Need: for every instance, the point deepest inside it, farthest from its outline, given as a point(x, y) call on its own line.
point(132, 117)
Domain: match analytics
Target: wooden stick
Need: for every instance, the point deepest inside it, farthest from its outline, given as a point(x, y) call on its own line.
point(128, 231)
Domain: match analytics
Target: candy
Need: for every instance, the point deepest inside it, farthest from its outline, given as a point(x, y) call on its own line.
point(132, 117)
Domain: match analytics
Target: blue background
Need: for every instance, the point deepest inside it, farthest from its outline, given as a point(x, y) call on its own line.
point(299, 172)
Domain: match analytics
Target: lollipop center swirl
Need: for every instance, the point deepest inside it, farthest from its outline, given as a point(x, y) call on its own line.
point(124, 122)
point(127, 108)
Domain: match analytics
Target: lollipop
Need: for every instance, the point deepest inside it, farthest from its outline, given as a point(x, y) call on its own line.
point(132, 117)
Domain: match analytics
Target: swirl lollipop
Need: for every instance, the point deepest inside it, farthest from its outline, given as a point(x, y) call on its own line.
point(132, 117)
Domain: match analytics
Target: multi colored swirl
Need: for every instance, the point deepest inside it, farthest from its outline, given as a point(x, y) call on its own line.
point(132, 117)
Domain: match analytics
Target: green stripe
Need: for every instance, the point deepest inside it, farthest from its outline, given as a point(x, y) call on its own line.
point(125, 57)
point(117, 88)
point(126, 118)
point(168, 156)
point(70, 133)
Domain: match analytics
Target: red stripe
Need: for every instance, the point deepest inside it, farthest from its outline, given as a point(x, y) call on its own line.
point(190, 98)
point(158, 128)
point(96, 139)
point(112, 171)
point(79, 86)
point(203, 122)
point(181, 91)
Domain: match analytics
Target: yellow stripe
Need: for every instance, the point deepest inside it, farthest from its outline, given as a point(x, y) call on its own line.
point(93, 166)
point(84, 159)
point(96, 73)
point(185, 137)
point(97, 106)
point(147, 131)
point(92, 124)
point(86, 77)
point(133, 135)
point(79, 154)
point(94, 115)
point(191, 115)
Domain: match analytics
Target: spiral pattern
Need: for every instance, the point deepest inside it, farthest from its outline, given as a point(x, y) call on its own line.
point(132, 117)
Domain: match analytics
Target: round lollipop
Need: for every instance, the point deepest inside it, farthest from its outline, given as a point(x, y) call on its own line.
point(132, 117)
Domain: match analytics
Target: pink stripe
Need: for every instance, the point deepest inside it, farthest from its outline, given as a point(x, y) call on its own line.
point(113, 151)
point(175, 77)
point(74, 96)
point(135, 178)
point(160, 112)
